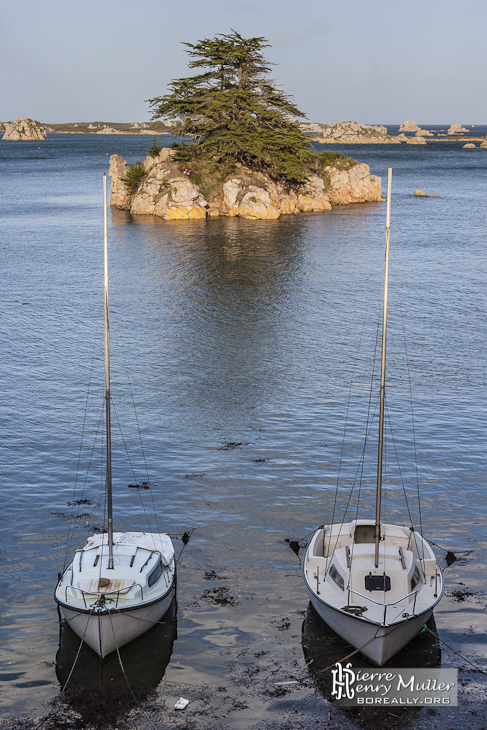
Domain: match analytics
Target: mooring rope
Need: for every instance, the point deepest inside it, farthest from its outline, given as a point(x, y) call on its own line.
point(477, 668)
point(348, 656)
point(126, 678)
point(54, 709)
point(343, 659)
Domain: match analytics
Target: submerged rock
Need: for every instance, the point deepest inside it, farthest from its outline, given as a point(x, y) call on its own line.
point(422, 194)
point(24, 129)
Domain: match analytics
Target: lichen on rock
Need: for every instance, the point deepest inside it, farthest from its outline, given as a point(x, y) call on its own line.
point(167, 191)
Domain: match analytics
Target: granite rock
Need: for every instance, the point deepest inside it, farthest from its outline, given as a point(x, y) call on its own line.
point(356, 185)
point(422, 194)
point(409, 126)
point(24, 129)
point(354, 133)
point(457, 129)
point(416, 140)
point(165, 190)
point(119, 195)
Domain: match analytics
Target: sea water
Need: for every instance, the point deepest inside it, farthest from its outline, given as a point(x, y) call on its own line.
point(241, 339)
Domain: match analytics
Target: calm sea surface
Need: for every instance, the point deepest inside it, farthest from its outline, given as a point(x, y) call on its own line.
point(241, 341)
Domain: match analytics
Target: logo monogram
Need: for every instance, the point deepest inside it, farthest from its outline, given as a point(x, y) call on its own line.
point(343, 680)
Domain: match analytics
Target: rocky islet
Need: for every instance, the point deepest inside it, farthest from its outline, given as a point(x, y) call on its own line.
point(167, 191)
point(24, 129)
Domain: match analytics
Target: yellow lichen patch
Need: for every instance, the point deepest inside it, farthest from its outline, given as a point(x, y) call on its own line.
point(184, 214)
point(312, 204)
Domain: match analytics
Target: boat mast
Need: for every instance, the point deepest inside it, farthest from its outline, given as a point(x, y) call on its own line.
point(383, 371)
point(107, 379)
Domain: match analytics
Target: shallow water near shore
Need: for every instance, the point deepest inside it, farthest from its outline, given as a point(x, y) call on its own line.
point(240, 339)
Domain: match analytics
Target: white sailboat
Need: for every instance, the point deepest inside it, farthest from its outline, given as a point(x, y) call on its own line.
point(375, 584)
point(120, 583)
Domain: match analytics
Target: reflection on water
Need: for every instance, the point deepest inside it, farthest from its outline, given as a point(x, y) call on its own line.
point(120, 681)
point(322, 648)
point(144, 660)
point(243, 333)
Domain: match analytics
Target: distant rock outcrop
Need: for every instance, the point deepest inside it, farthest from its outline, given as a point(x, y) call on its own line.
point(166, 191)
point(457, 129)
point(311, 127)
point(409, 126)
point(469, 146)
point(353, 133)
point(107, 130)
point(416, 140)
point(422, 194)
point(24, 129)
point(483, 145)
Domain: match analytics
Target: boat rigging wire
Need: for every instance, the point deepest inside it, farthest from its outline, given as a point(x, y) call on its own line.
point(349, 399)
point(80, 500)
point(80, 449)
point(409, 380)
point(357, 482)
point(139, 432)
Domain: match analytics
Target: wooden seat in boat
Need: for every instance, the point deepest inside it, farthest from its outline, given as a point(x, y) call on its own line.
point(105, 585)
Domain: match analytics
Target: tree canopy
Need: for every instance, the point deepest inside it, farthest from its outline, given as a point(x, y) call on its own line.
point(234, 112)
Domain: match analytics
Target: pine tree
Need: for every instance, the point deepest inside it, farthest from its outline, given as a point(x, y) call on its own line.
point(233, 111)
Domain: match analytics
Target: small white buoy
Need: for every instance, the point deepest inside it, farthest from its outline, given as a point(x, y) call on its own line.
point(181, 704)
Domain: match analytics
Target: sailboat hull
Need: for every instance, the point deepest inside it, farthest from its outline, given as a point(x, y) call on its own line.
point(109, 607)
point(107, 631)
point(375, 584)
point(121, 583)
point(385, 641)
point(377, 607)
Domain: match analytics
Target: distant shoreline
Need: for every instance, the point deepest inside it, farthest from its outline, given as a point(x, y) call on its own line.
point(164, 127)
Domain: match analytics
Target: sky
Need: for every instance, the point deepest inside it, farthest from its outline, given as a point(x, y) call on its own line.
point(374, 61)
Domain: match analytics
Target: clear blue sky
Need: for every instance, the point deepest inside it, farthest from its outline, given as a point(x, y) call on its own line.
point(371, 61)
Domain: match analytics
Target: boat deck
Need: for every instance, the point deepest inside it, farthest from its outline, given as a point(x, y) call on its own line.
point(140, 575)
point(340, 570)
